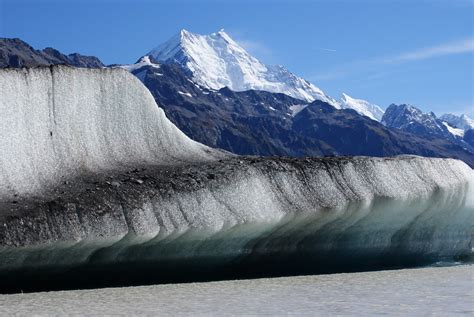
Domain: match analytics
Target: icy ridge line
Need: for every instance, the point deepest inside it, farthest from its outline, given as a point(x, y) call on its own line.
point(363, 107)
point(216, 61)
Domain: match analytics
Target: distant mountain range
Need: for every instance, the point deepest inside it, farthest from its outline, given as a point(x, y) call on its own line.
point(16, 53)
point(246, 107)
point(411, 119)
point(216, 61)
point(263, 123)
point(363, 107)
point(462, 122)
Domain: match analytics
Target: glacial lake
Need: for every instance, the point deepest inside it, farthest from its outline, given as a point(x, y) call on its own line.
point(438, 291)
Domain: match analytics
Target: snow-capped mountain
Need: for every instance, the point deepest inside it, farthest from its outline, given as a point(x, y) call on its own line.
point(413, 120)
point(257, 122)
point(454, 131)
point(462, 122)
point(142, 62)
point(216, 61)
point(363, 107)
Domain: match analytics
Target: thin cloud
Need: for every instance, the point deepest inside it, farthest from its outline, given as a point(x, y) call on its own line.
point(254, 47)
point(468, 110)
point(379, 75)
point(369, 68)
point(331, 75)
point(458, 47)
point(326, 49)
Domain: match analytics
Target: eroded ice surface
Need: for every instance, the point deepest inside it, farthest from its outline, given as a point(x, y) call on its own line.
point(58, 122)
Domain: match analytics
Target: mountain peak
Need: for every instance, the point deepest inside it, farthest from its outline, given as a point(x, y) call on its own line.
point(348, 99)
point(462, 122)
point(411, 119)
point(216, 61)
point(184, 33)
point(363, 107)
point(222, 34)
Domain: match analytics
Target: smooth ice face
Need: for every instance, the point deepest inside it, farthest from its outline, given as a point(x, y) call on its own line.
point(58, 122)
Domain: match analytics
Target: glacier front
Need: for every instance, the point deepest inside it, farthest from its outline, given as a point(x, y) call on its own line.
point(98, 188)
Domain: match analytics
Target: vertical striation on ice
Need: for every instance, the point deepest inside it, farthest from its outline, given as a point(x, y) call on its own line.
point(60, 121)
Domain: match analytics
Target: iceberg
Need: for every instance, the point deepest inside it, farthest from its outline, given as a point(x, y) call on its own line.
point(117, 195)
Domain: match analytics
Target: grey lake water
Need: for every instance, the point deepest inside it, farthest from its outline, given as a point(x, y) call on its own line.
point(441, 291)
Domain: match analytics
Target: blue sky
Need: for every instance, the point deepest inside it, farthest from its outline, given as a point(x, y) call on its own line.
point(419, 52)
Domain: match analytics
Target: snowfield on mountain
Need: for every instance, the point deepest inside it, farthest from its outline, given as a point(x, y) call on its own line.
point(363, 107)
point(216, 61)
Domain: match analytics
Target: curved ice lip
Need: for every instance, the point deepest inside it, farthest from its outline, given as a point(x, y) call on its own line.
point(59, 122)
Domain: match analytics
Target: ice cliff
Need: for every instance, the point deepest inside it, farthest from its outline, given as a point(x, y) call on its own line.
point(98, 188)
point(58, 122)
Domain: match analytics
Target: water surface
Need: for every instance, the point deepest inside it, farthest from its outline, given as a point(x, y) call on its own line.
point(436, 291)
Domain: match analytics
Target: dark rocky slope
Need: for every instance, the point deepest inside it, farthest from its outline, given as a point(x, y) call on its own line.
point(262, 123)
point(16, 53)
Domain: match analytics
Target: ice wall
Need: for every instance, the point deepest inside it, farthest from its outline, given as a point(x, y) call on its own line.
point(57, 122)
point(95, 181)
point(365, 208)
